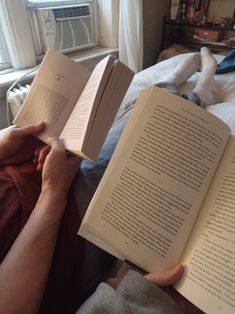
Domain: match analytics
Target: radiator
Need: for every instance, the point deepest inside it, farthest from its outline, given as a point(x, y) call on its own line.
point(15, 99)
point(16, 94)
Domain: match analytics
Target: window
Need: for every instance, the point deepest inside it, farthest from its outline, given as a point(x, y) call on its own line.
point(4, 55)
point(43, 3)
point(30, 27)
point(69, 27)
point(46, 1)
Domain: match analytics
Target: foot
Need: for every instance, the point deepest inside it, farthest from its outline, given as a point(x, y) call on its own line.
point(206, 88)
point(184, 70)
point(208, 62)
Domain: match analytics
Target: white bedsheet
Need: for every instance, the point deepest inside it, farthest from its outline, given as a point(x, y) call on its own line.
point(155, 74)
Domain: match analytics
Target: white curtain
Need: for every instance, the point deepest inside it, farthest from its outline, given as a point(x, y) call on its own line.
point(131, 34)
point(108, 12)
point(13, 15)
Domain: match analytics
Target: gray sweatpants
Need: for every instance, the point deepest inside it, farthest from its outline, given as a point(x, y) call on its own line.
point(134, 295)
point(190, 96)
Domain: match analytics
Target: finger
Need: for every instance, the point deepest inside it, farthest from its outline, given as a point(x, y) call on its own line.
point(41, 157)
point(57, 152)
point(43, 153)
point(58, 148)
point(19, 133)
point(166, 278)
point(38, 149)
point(55, 143)
point(37, 152)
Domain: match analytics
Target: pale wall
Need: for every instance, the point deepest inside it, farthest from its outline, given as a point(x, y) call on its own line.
point(220, 8)
point(153, 15)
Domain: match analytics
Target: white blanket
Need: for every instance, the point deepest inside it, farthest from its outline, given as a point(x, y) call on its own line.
point(155, 74)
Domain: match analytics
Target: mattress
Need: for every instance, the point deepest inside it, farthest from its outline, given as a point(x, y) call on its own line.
point(156, 73)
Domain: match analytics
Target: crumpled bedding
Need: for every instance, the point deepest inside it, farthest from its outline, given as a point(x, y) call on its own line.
point(90, 173)
point(225, 110)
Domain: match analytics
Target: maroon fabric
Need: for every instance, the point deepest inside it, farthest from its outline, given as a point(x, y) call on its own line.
point(19, 190)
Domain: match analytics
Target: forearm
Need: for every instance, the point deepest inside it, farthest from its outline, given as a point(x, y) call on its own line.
point(24, 271)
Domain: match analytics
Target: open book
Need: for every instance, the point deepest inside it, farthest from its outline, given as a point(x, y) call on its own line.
point(168, 195)
point(76, 105)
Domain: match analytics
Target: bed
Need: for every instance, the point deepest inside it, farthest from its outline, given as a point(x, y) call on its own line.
point(144, 79)
point(90, 173)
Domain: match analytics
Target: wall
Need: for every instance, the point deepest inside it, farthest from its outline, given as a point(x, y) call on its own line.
point(219, 9)
point(153, 15)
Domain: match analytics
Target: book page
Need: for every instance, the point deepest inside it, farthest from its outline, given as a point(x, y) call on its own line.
point(83, 114)
point(53, 94)
point(156, 181)
point(209, 279)
point(115, 90)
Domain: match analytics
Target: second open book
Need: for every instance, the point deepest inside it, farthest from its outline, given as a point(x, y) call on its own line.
point(168, 195)
point(75, 105)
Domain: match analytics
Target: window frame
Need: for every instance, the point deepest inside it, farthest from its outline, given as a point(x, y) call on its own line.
point(18, 59)
point(4, 53)
point(52, 3)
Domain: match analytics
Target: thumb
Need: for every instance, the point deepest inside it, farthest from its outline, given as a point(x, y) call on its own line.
point(20, 133)
point(166, 278)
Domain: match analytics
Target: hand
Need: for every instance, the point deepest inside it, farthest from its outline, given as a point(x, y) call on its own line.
point(162, 279)
point(165, 280)
point(59, 168)
point(40, 155)
point(18, 144)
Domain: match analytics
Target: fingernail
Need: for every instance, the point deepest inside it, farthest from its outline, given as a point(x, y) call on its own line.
point(40, 124)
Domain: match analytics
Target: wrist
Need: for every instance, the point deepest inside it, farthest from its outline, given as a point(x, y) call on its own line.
point(52, 201)
point(54, 191)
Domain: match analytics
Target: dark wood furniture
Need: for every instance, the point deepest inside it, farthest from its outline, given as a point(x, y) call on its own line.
point(217, 37)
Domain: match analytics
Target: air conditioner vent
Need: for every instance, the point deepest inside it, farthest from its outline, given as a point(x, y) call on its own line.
point(65, 28)
point(77, 11)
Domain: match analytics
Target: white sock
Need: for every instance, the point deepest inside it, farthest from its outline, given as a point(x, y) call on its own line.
point(206, 88)
point(184, 70)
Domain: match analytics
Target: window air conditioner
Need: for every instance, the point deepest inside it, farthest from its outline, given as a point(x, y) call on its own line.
point(65, 28)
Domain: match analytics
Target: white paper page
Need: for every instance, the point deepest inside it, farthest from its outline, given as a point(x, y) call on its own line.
point(209, 279)
point(155, 183)
point(83, 113)
point(53, 94)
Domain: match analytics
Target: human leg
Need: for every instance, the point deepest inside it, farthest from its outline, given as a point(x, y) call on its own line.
point(173, 80)
point(206, 89)
point(184, 70)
